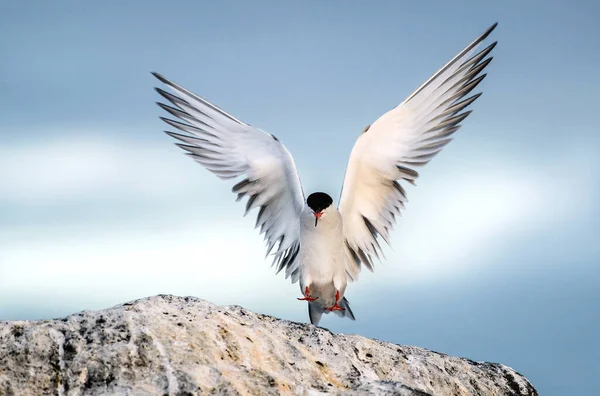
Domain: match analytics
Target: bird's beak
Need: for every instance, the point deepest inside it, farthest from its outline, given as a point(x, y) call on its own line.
point(317, 216)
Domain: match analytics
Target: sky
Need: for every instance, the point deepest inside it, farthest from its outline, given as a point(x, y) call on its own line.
point(496, 257)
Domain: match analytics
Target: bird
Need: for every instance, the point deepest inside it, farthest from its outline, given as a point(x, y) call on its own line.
point(318, 245)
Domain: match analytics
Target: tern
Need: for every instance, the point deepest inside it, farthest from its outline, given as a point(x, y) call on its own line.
point(320, 246)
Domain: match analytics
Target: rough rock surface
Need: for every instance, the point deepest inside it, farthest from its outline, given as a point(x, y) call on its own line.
point(168, 345)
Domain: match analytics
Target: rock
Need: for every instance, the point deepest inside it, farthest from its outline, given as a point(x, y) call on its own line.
point(186, 346)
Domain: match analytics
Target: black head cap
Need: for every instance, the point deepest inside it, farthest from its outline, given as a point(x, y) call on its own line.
point(319, 201)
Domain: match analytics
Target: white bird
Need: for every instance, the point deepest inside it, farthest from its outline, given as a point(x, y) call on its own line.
point(318, 245)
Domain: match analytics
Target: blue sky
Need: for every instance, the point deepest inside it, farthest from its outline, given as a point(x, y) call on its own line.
point(496, 257)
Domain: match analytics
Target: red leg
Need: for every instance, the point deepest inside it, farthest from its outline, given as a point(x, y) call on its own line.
point(307, 296)
point(336, 307)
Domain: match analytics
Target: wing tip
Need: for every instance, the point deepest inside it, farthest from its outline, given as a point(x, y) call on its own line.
point(171, 134)
point(468, 48)
point(163, 106)
point(188, 148)
point(160, 77)
point(490, 47)
point(166, 120)
point(487, 32)
point(491, 28)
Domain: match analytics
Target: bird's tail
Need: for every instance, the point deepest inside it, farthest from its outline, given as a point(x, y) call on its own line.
point(316, 311)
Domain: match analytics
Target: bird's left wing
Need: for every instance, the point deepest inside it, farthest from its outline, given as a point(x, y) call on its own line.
point(408, 136)
point(230, 148)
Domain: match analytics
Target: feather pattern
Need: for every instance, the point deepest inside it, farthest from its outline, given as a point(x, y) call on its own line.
point(408, 136)
point(230, 149)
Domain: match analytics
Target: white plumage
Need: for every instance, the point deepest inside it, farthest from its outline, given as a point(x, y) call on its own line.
point(325, 257)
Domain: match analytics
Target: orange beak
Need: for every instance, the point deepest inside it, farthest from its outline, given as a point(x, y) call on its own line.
point(317, 216)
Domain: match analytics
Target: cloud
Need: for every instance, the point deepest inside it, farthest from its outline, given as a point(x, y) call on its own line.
point(218, 261)
point(453, 223)
point(456, 217)
point(75, 167)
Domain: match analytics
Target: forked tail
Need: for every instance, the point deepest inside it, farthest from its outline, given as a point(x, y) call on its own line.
point(315, 311)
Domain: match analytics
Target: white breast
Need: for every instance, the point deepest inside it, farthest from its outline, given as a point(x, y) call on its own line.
point(322, 254)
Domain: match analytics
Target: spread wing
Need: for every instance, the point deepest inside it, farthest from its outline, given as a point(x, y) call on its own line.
point(229, 148)
point(406, 137)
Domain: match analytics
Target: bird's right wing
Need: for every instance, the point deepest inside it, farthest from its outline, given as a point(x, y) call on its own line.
point(230, 148)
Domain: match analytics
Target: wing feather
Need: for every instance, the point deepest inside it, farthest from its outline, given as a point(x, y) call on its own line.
point(230, 149)
point(408, 136)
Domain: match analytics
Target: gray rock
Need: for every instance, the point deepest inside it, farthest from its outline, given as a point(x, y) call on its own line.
point(186, 346)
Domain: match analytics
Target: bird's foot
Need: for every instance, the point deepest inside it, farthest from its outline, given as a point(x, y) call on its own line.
point(335, 307)
point(307, 296)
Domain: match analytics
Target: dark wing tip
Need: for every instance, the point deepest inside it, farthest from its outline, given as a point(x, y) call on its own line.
point(489, 30)
point(160, 91)
point(162, 105)
point(491, 46)
point(486, 33)
point(186, 138)
point(160, 77)
point(187, 147)
point(173, 134)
